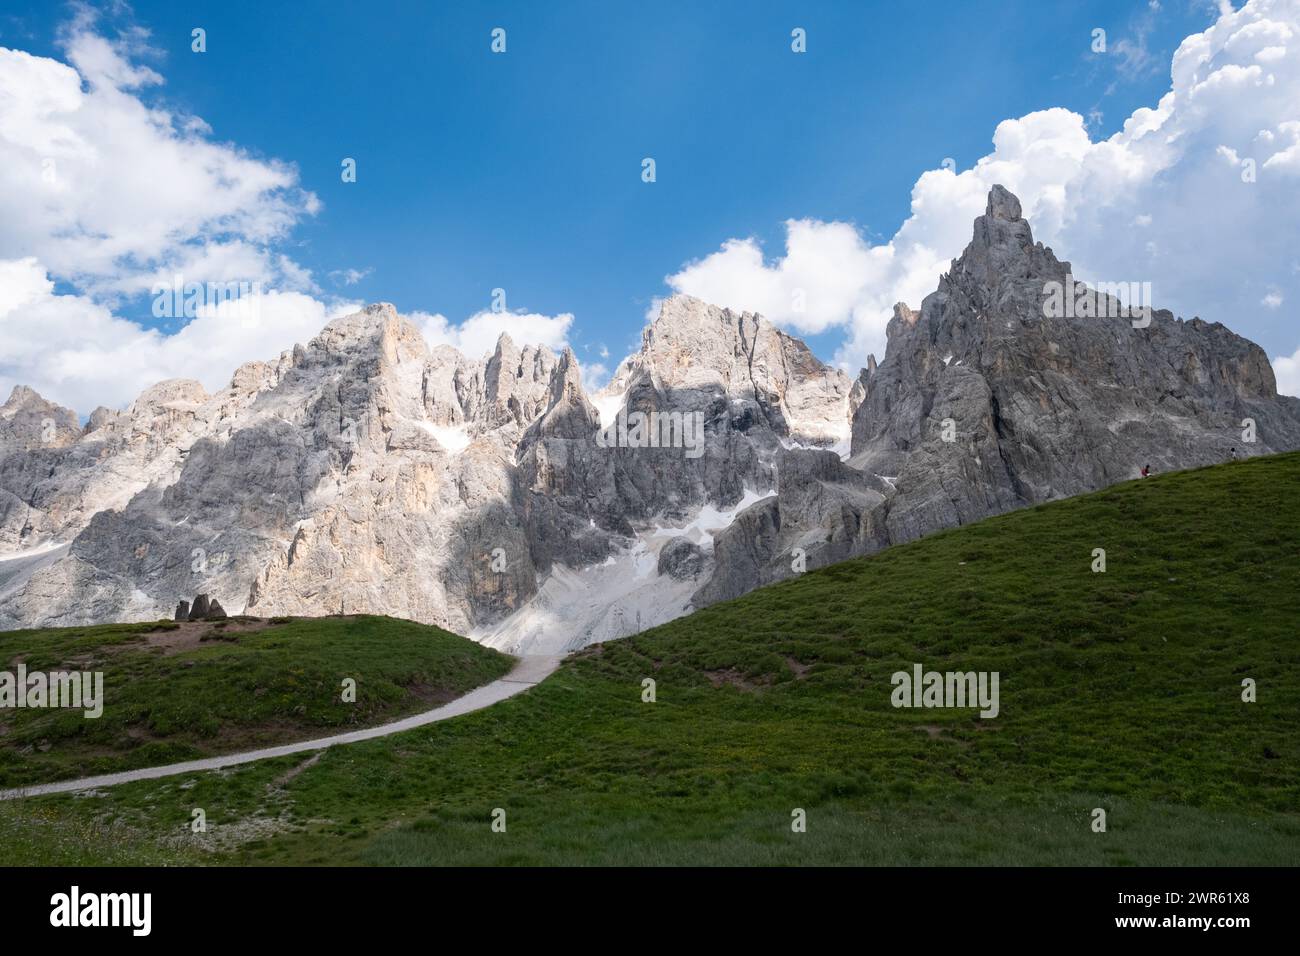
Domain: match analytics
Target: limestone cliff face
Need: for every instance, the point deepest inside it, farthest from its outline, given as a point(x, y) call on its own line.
point(33, 436)
point(334, 479)
point(989, 399)
point(365, 472)
point(1044, 405)
point(696, 348)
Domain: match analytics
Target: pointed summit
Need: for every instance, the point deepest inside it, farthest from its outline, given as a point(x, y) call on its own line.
point(1003, 204)
point(22, 395)
point(569, 414)
point(1002, 247)
point(516, 380)
point(502, 370)
point(27, 420)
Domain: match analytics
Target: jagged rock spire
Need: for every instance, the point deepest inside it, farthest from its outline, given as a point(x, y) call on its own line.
point(568, 414)
point(1002, 247)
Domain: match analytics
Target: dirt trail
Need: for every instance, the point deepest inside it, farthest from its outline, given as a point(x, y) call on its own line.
point(527, 672)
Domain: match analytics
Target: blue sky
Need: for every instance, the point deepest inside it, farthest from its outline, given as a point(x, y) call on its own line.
point(522, 170)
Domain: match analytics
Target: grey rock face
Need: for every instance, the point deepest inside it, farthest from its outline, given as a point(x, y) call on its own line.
point(34, 438)
point(1045, 406)
point(365, 472)
point(28, 421)
point(824, 511)
point(681, 559)
point(988, 399)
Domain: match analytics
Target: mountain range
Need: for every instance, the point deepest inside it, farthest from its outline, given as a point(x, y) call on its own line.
point(367, 472)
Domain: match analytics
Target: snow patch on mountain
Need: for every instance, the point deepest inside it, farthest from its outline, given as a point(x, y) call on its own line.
point(454, 438)
point(575, 607)
point(618, 597)
point(710, 519)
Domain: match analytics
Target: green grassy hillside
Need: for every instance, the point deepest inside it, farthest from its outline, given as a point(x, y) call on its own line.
point(1119, 690)
point(177, 692)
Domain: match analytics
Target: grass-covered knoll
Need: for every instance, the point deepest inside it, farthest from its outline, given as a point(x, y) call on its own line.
point(177, 692)
point(1119, 690)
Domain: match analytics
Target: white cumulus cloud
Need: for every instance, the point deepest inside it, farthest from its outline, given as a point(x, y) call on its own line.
point(826, 271)
point(74, 351)
point(108, 191)
point(477, 336)
point(1287, 370)
point(1198, 195)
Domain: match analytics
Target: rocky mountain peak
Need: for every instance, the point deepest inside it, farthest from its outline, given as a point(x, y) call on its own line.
point(990, 400)
point(25, 398)
point(568, 413)
point(172, 391)
point(692, 343)
point(695, 346)
point(516, 381)
point(378, 327)
point(695, 353)
point(28, 420)
point(362, 324)
point(1001, 249)
point(1002, 204)
point(20, 396)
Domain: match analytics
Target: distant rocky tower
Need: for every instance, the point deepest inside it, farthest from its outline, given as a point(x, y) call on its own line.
point(366, 471)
